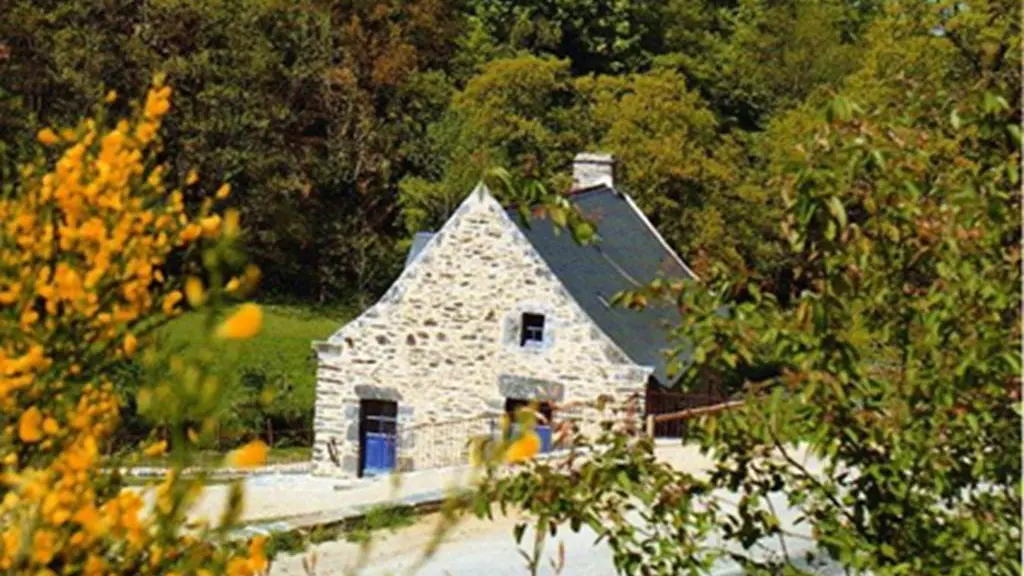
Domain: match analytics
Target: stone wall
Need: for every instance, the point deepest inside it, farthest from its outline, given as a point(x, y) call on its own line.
point(443, 342)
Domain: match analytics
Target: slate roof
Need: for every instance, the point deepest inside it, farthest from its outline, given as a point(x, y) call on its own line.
point(418, 242)
point(628, 254)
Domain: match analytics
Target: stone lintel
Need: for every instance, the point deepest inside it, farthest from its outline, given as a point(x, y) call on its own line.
point(526, 388)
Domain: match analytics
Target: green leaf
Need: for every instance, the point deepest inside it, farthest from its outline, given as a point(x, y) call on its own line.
point(584, 232)
point(1015, 133)
point(878, 160)
point(835, 206)
point(558, 216)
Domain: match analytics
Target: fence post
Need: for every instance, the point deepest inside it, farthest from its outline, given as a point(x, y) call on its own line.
point(650, 425)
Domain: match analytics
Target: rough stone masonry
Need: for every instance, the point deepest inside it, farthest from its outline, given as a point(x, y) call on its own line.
point(444, 342)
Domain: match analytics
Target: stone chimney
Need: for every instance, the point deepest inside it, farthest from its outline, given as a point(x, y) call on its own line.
point(591, 169)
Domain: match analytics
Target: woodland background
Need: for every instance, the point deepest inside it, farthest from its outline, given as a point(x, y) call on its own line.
point(346, 126)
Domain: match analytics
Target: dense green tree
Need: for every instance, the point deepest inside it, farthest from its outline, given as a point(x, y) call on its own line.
point(530, 115)
point(603, 36)
point(310, 110)
point(673, 160)
point(517, 113)
point(896, 346)
point(752, 58)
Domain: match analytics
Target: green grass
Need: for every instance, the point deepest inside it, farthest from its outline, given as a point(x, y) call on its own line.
point(284, 342)
point(215, 459)
point(383, 517)
point(272, 374)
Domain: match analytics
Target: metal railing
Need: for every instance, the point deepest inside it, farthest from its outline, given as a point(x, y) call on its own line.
point(439, 444)
point(446, 443)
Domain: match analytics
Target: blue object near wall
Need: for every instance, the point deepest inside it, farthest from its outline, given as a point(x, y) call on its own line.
point(543, 432)
point(378, 428)
point(380, 453)
point(545, 438)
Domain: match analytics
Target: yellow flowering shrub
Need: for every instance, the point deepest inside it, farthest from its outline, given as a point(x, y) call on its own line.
point(85, 279)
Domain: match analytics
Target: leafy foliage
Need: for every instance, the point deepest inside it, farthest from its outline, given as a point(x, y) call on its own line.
point(893, 344)
point(86, 276)
point(594, 35)
point(345, 127)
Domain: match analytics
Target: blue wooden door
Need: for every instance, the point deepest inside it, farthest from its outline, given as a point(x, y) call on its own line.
point(380, 453)
point(378, 428)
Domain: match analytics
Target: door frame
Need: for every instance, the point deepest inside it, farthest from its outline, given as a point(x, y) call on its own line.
point(382, 417)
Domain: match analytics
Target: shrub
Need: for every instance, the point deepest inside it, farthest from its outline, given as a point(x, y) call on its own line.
point(88, 236)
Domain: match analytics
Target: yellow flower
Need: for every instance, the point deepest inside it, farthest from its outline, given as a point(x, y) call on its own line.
point(257, 557)
point(81, 455)
point(223, 191)
point(238, 567)
point(170, 301)
point(145, 132)
point(42, 547)
point(130, 345)
point(191, 178)
point(194, 292)
point(252, 454)
point(47, 136)
point(191, 232)
point(94, 566)
point(111, 97)
point(524, 448)
point(157, 102)
point(156, 449)
point(231, 223)
point(89, 519)
point(210, 226)
point(243, 324)
point(232, 285)
point(29, 426)
point(50, 426)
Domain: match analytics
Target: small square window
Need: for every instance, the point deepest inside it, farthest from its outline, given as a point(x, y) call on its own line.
point(532, 333)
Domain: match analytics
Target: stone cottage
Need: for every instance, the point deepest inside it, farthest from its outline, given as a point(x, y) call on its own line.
point(489, 314)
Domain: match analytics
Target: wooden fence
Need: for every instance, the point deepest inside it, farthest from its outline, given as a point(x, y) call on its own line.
point(660, 401)
point(654, 420)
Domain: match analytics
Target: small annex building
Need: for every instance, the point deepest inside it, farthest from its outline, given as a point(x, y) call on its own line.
point(488, 314)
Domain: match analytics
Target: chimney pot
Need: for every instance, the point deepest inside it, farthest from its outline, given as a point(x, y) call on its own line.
point(592, 169)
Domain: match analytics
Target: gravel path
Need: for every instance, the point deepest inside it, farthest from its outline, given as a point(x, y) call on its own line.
point(274, 496)
point(487, 547)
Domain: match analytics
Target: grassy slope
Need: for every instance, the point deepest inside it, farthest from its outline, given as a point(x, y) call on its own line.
point(282, 352)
